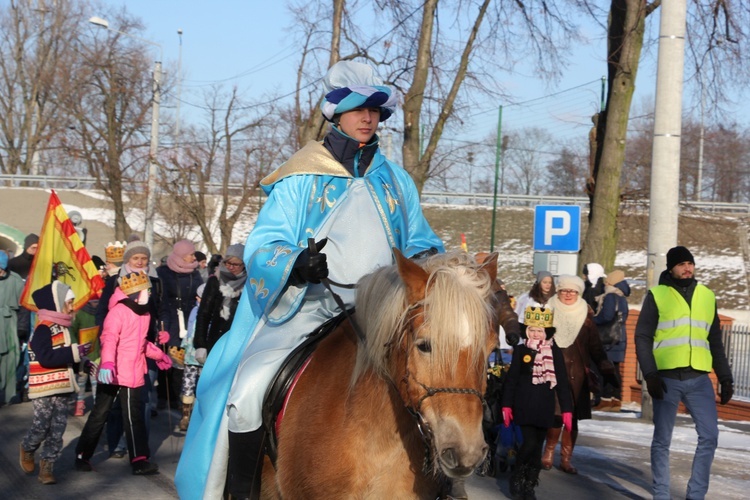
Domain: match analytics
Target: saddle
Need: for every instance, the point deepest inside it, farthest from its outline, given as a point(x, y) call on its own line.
point(275, 399)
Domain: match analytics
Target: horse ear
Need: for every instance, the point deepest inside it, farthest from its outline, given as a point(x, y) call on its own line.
point(489, 265)
point(414, 277)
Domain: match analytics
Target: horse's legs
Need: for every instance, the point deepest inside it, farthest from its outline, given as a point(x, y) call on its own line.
point(246, 451)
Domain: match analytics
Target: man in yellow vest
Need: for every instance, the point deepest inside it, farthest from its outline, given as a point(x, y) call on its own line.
point(678, 342)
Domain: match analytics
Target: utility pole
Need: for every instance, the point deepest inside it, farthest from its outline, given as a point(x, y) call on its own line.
point(179, 94)
point(498, 153)
point(665, 160)
point(153, 167)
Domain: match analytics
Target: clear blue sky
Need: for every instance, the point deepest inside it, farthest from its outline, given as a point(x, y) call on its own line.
point(227, 38)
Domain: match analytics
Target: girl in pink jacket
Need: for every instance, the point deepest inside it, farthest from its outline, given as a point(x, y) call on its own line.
point(124, 348)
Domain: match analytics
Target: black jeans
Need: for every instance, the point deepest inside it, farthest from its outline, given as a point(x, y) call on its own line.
point(609, 391)
point(132, 415)
point(531, 448)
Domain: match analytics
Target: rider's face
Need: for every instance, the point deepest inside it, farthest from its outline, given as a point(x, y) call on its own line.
point(360, 124)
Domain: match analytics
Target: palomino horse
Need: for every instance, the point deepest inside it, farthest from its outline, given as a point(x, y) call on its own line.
point(396, 414)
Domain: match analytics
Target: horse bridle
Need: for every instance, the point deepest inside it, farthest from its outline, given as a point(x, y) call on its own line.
point(425, 430)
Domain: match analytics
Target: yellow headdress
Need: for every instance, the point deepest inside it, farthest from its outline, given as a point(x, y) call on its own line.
point(134, 282)
point(537, 316)
point(114, 252)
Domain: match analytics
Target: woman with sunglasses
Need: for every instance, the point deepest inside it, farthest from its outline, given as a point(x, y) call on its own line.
point(578, 338)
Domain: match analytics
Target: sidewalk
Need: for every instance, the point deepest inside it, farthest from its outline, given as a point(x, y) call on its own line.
point(612, 457)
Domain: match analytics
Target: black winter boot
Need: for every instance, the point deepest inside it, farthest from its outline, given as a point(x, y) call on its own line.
point(246, 454)
point(531, 481)
point(517, 482)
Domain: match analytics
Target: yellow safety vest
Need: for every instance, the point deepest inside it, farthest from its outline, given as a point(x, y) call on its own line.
point(681, 338)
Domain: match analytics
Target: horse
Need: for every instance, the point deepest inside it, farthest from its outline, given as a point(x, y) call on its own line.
point(397, 412)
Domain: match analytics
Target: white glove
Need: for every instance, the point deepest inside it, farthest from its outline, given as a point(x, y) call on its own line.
point(200, 355)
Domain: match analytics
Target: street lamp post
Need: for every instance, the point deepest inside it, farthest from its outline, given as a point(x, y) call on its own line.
point(152, 165)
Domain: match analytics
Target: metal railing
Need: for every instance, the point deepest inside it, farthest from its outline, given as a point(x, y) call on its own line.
point(428, 197)
point(737, 346)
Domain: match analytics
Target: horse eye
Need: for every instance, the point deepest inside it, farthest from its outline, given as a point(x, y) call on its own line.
point(424, 346)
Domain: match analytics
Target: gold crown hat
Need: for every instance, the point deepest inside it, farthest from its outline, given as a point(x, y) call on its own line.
point(537, 316)
point(134, 282)
point(114, 252)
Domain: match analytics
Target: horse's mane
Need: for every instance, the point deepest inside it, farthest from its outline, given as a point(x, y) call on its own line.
point(457, 312)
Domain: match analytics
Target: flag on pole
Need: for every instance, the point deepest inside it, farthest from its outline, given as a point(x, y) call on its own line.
point(62, 256)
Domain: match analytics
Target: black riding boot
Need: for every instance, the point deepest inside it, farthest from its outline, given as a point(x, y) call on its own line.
point(246, 452)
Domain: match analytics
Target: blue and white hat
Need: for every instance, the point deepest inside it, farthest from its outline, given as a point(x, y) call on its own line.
point(351, 85)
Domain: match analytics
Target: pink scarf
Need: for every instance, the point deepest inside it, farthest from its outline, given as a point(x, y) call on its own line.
point(55, 317)
point(179, 265)
point(544, 365)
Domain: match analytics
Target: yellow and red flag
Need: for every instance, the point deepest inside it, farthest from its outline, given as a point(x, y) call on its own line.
point(62, 256)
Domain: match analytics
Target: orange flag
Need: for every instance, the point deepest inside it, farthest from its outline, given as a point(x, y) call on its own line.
point(61, 255)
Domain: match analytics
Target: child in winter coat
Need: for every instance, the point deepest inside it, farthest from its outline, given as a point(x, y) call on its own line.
point(124, 348)
point(51, 377)
point(537, 374)
point(84, 328)
point(192, 365)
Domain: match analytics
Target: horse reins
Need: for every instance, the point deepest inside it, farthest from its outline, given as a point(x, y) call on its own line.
point(313, 249)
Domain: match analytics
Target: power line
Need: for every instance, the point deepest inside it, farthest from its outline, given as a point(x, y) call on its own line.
point(284, 96)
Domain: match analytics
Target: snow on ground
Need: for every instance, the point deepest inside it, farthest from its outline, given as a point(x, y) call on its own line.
point(730, 480)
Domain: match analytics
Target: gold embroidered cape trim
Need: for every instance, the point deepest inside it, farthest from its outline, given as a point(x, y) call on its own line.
point(311, 159)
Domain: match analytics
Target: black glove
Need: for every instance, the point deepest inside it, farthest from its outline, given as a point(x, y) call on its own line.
point(23, 336)
point(310, 266)
point(656, 386)
point(425, 253)
point(512, 338)
point(611, 379)
point(726, 392)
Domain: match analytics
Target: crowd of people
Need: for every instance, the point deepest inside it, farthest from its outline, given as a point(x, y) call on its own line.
point(146, 325)
point(213, 337)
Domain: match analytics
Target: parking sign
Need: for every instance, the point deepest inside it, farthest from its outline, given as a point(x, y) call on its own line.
point(557, 228)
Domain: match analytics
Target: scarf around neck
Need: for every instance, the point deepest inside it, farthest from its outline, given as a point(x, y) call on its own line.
point(178, 264)
point(607, 290)
point(59, 318)
point(230, 286)
point(568, 320)
point(139, 309)
point(544, 364)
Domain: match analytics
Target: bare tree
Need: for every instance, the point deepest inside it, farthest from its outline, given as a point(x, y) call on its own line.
point(727, 160)
point(716, 39)
point(218, 173)
point(35, 43)
point(565, 173)
point(110, 109)
point(441, 69)
point(316, 43)
point(526, 159)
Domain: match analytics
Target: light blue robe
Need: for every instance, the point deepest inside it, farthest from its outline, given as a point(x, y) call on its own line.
point(311, 195)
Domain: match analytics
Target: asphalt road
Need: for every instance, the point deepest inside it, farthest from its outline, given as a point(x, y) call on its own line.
point(600, 477)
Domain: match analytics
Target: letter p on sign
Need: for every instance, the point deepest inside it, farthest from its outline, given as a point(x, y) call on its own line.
point(557, 228)
point(556, 223)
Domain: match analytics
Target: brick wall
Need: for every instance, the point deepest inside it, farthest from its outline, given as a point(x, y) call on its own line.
point(631, 386)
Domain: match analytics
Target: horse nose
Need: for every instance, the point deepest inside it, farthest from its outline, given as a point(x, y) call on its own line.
point(451, 458)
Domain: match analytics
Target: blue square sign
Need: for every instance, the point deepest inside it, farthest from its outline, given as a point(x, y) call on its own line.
point(557, 228)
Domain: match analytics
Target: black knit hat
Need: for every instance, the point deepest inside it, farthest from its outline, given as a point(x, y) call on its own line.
point(678, 255)
point(31, 239)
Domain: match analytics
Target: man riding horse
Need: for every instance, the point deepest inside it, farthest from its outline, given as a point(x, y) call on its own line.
point(357, 205)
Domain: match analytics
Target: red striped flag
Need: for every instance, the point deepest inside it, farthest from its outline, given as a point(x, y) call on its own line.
point(61, 255)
